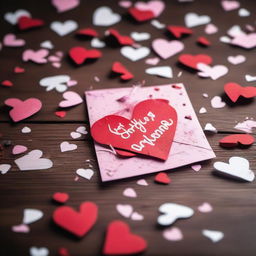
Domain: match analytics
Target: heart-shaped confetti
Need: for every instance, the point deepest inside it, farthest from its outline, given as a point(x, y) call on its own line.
point(179, 31)
point(235, 60)
point(85, 173)
point(140, 36)
point(162, 178)
point(122, 40)
point(25, 23)
point(173, 234)
point(22, 228)
point(154, 6)
point(214, 72)
point(13, 17)
point(140, 15)
point(64, 28)
point(10, 40)
point(31, 215)
point(38, 57)
point(228, 5)
point(205, 208)
point(4, 168)
point(59, 83)
point(233, 140)
point(104, 16)
point(124, 209)
point(135, 54)
point(247, 41)
point(214, 235)
point(192, 61)
point(163, 71)
point(34, 251)
point(18, 149)
point(65, 5)
point(66, 146)
point(118, 67)
point(71, 99)
point(130, 192)
point(210, 128)
point(193, 20)
point(60, 197)
point(250, 78)
point(217, 102)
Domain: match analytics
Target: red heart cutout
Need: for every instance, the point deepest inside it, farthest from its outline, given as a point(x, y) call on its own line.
point(23, 109)
point(60, 197)
point(204, 41)
point(235, 139)
point(140, 15)
point(19, 70)
point(60, 113)
point(78, 223)
point(25, 23)
point(80, 54)
point(7, 83)
point(90, 32)
point(117, 67)
point(123, 40)
point(153, 138)
point(192, 61)
point(163, 178)
point(120, 241)
point(234, 91)
point(178, 31)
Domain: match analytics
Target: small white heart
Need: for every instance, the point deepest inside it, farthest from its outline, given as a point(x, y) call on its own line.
point(85, 173)
point(214, 235)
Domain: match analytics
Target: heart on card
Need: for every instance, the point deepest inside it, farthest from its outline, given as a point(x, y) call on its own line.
point(77, 223)
point(140, 15)
point(166, 49)
point(104, 16)
point(233, 140)
point(25, 23)
point(13, 17)
point(134, 54)
point(38, 57)
point(118, 68)
point(64, 28)
point(247, 41)
point(237, 168)
point(153, 138)
point(179, 31)
point(193, 20)
point(213, 72)
point(60, 197)
point(23, 109)
point(59, 83)
point(65, 5)
point(10, 40)
point(122, 40)
point(71, 99)
point(172, 212)
point(192, 61)
point(31, 215)
point(234, 91)
point(120, 241)
point(80, 54)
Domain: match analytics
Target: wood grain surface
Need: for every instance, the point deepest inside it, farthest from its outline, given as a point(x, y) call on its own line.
point(233, 202)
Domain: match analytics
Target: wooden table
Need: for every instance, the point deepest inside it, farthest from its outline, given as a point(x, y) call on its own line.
point(233, 202)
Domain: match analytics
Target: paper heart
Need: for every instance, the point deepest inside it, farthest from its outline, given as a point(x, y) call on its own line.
point(96, 43)
point(193, 60)
point(140, 15)
point(60, 113)
point(31, 215)
point(10, 40)
point(104, 16)
point(60, 197)
point(204, 208)
point(85, 173)
point(26, 130)
point(47, 44)
point(166, 49)
point(173, 234)
point(7, 83)
point(214, 235)
point(25, 23)
point(217, 102)
point(82, 129)
point(163, 71)
point(59, 83)
point(213, 72)
point(154, 6)
point(162, 120)
point(152, 61)
point(246, 126)
point(124, 209)
point(203, 41)
point(172, 212)
point(196, 167)
point(71, 99)
point(250, 78)
point(235, 31)
point(118, 67)
point(19, 70)
point(66, 146)
point(34, 251)
point(4, 168)
point(64, 28)
point(35, 56)
point(142, 182)
point(238, 168)
point(125, 4)
point(130, 192)
point(80, 54)
point(33, 161)
point(225, 39)
point(136, 216)
point(65, 5)
point(120, 241)
point(23, 109)
point(228, 5)
point(247, 41)
point(75, 135)
point(192, 19)
point(162, 178)
point(140, 36)
point(122, 40)
point(18, 149)
point(179, 31)
point(234, 91)
point(236, 139)
point(235, 60)
point(243, 12)
point(56, 64)
point(210, 128)
point(157, 24)
point(135, 54)
point(202, 110)
point(22, 228)
point(13, 17)
point(88, 32)
point(77, 223)
point(210, 29)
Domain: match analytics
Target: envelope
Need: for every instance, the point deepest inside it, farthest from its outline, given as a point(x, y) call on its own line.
point(189, 144)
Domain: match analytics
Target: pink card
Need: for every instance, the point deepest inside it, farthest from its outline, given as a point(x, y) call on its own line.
point(189, 144)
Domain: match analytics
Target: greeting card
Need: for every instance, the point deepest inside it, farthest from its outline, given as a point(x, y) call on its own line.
point(140, 130)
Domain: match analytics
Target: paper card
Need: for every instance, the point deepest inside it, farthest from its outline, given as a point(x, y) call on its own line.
point(189, 144)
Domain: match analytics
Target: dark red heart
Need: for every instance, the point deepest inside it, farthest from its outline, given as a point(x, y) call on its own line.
point(140, 15)
point(234, 91)
point(19, 70)
point(80, 54)
point(25, 23)
point(7, 83)
point(118, 67)
point(120, 241)
point(204, 41)
point(90, 32)
point(235, 139)
point(163, 178)
point(192, 60)
point(155, 140)
point(123, 40)
point(77, 223)
point(60, 113)
point(60, 197)
point(179, 31)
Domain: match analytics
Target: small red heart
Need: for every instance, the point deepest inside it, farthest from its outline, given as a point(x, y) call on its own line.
point(192, 61)
point(140, 15)
point(19, 70)
point(204, 41)
point(117, 67)
point(155, 139)
point(234, 91)
point(235, 139)
point(120, 241)
point(80, 54)
point(90, 32)
point(178, 31)
point(63, 252)
point(123, 40)
point(163, 178)
point(78, 223)
point(7, 83)
point(25, 23)
point(60, 113)
point(60, 197)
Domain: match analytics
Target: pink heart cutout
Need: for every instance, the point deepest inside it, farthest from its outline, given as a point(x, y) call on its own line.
point(247, 41)
point(71, 99)
point(65, 5)
point(211, 29)
point(35, 56)
point(18, 149)
point(230, 5)
point(125, 4)
point(22, 228)
point(155, 6)
point(173, 234)
point(11, 41)
point(204, 208)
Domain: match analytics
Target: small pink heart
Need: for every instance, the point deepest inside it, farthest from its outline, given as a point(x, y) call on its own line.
point(71, 83)
point(71, 99)
point(247, 41)
point(56, 64)
point(230, 5)
point(35, 56)
point(204, 208)
point(154, 6)
point(152, 61)
point(210, 29)
point(196, 167)
point(22, 228)
point(65, 5)
point(53, 58)
point(10, 40)
point(125, 210)
point(136, 216)
point(142, 182)
point(173, 234)
point(18, 149)
point(235, 60)
point(130, 192)
point(125, 4)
